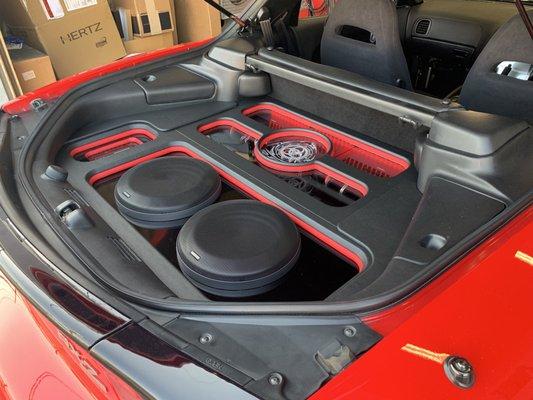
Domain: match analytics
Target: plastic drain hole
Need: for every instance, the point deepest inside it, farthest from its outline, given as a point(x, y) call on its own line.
point(433, 242)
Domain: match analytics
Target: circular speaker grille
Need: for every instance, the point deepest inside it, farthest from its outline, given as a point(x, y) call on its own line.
point(292, 151)
point(291, 148)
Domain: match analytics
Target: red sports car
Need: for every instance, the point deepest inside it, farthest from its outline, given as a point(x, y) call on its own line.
point(328, 201)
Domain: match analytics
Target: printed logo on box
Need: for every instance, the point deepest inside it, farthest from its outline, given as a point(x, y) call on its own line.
point(102, 42)
point(80, 33)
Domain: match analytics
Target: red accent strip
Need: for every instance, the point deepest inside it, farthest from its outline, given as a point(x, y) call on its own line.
point(112, 147)
point(57, 89)
point(110, 142)
point(220, 123)
point(326, 240)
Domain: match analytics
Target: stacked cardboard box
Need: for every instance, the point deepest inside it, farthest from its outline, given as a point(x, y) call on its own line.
point(8, 75)
point(145, 24)
point(75, 34)
point(33, 68)
point(148, 17)
point(196, 20)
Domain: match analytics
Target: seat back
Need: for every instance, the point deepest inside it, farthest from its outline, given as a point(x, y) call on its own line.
point(362, 36)
point(487, 91)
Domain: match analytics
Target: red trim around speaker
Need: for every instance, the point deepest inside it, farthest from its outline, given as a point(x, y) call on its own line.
point(111, 144)
point(221, 123)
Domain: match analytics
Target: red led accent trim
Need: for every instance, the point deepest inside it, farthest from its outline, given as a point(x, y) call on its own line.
point(92, 149)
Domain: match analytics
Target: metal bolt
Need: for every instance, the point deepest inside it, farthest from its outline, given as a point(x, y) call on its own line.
point(275, 379)
point(14, 117)
point(446, 102)
point(206, 338)
point(350, 331)
point(461, 365)
point(459, 371)
point(21, 138)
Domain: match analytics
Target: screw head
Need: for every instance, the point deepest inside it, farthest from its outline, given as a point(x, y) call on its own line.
point(206, 338)
point(275, 379)
point(350, 331)
point(446, 102)
point(459, 371)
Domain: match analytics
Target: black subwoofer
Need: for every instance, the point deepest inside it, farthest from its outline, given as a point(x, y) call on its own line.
point(165, 192)
point(238, 248)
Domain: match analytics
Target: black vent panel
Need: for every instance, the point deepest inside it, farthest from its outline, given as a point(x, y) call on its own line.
point(422, 27)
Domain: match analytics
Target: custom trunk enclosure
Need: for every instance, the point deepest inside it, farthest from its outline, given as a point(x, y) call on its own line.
point(240, 181)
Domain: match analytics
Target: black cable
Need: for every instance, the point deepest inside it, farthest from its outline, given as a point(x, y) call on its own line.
point(228, 14)
point(523, 13)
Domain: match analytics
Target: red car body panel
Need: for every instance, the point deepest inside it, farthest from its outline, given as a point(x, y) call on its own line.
point(480, 309)
point(39, 361)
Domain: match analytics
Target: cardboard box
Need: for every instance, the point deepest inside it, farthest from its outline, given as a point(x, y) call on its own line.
point(149, 17)
point(33, 68)
point(122, 18)
point(76, 34)
point(149, 43)
point(196, 20)
point(8, 76)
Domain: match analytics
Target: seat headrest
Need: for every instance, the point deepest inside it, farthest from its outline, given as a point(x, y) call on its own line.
point(488, 91)
point(363, 36)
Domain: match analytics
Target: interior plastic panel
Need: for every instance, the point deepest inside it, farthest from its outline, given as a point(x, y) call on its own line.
point(469, 23)
point(480, 151)
point(349, 86)
point(475, 133)
point(429, 235)
point(174, 85)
